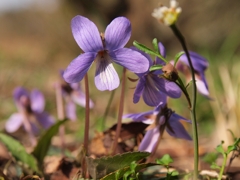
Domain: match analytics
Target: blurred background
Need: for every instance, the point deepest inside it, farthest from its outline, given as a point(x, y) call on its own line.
point(36, 42)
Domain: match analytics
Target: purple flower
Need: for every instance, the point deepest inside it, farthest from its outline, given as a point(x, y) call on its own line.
point(73, 94)
point(103, 49)
point(30, 113)
point(200, 64)
point(150, 85)
point(167, 118)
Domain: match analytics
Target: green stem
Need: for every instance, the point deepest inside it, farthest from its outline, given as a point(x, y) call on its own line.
point(120, 113)
point(194, 98)
point(223, 166)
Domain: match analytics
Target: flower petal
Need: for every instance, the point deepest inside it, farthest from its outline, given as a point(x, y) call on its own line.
point(167, 87)
point(37, 101)
point(200, 64)
point(117, 33)
point(71, 110)
point(162, 49)
point(79, 98)
point(139, 89)
point(86, 34)
point(177, 130)
point(141, 117)
point(106, 78)
point(130, 59)
point(202, 88)
point(14, 122)
point(79, 67)
point(150, 140)
point(45, 119)
point(151, 95)
point(18, 92)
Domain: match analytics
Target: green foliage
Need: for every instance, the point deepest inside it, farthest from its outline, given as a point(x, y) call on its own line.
point(165, 160)
point(215, 166)
point(100, 167)
point(19, 152)
point(44, 142)
point(210, 157)
point(128, 171)
point(155, 67)
point(155, 45)
point(177, 56)
point(148, 50)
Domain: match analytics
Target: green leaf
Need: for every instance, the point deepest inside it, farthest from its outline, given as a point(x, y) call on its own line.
point(210, 157)
point(19, 152)
point(148, 50)
point(155, 45)
point(220, 149)
point(231, 148)
point(233, 136)
point(215, 166)
point(44, 142)
point(174, 173)
point(155, 67)
point(178, 55)
point(100, 167)
point(126, 171)
point(165, 160)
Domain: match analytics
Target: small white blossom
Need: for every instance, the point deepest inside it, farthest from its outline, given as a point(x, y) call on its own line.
point(166, 15)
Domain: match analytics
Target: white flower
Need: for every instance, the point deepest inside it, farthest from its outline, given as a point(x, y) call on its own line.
point(166, 15)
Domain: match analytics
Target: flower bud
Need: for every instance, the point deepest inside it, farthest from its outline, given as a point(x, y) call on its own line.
point(166, 15)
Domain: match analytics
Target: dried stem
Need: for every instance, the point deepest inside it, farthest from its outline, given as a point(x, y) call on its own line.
point(120, 113)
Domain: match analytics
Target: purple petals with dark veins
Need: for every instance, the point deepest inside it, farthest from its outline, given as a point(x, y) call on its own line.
point(79, 67)
point(167, 87)
point(117, 33)
point(106, 78)
point(130, 59)
point(200, 64)
point(176, 129)
point(151, 95)
point(86, 34)
point(139, 89)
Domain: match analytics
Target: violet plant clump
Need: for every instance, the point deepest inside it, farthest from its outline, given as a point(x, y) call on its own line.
point(158, 119)
point(31, 114)
point(104, 49)
point(151, 84)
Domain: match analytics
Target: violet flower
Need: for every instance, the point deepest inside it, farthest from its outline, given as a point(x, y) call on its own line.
point(30, 113)
point(172, 124)
point(73, 95)
point(103, 49)
point(200, 64)
point(150, 85)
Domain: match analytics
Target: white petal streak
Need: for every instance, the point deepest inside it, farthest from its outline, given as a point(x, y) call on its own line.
point(106, 78)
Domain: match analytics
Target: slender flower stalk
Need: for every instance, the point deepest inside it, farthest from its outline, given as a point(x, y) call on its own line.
point(86, 129)
point(120, 113)
point(60, 113)
point(194, 98)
